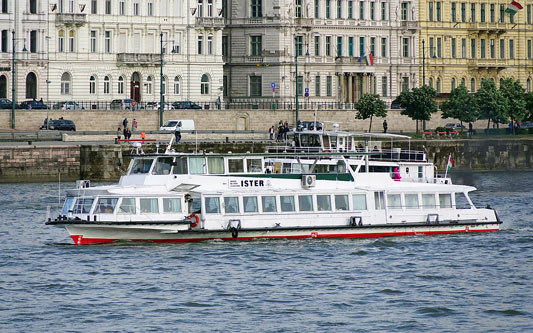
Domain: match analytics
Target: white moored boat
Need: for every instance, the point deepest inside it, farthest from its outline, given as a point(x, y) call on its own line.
point(174, 197)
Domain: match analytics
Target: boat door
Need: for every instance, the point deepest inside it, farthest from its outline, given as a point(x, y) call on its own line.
point(380, 212)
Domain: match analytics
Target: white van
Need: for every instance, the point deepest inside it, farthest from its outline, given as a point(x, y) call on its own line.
point(182, 125)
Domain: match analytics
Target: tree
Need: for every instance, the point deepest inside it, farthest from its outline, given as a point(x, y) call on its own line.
point(368, 106)
point(491, 103)
point(418, 103)
point(515, 103)
point(461, 105)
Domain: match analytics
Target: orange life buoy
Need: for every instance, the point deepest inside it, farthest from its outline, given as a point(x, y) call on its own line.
point(195, 224)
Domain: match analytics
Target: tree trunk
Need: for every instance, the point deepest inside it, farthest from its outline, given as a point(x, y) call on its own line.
point(370, 127)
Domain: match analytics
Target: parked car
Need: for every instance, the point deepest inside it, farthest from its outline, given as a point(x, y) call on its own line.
point(123, 104)
point(186, 105)
point(60, 125)
point(155, 106)
point(33, 105)
point(70, 105)
point(454, 126)
point(172, 125)
point(6, 104)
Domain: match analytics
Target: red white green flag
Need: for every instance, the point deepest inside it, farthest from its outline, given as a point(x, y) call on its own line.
point(450, 164)
point(513, 8)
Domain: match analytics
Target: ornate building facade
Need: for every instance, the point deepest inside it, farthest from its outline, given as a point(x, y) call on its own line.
point(465, 42)
point(264, 43)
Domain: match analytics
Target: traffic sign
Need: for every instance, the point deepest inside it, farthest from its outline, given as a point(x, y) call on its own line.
point(307, 90)
point(306, 94)
point(273, 85)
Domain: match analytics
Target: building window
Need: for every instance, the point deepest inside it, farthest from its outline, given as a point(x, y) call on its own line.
point(317, 8)
point(472, 85)
point(454, 48)
point(92, 85)
point(33, 41)
point(256, 46)
point(61, 41)
point(136, 8)
point(339, 46)
point(200, 44)
point(120, 89)
point(463, 12)
point(463, 48)
point(431, 47)
point(384, 85)
point(210, 8)
point(453, 83)
point(373, 45)
point(405, 83)
point(255, 86)
point(482, 13)
point(528, 85)
point(93, 41)
point(94, 6)
point(473, 12)
point(350, 10)
point(317, 85)
point(431, 82)
point(108, 7)
point(200, 11)
point(454, 10)
point(4, 44)
point(300, 86)
point(204, 85)
point(299, 45)
point(225, 46)
point(108, 41)
point(177, 87)
point(384, 47)
point(65, 84)
point(529, 48)
point(492, 49)
point(361, 46)
point(33, 6)
point(256, 8)
point(528, 14)
point(317, 46)
point(439, 47)
point(329, 86)
point(71, 41)
point(122, 8)
point(511, 48)
point(463, 82)
point(339, 8)
point(383, 10)
point(328, 9)
point(482, 46)
point(405, 11)
point(502, 13)
point(225, 85)
point(473, 48)
point(430, 11)
point(209, 44)
point(149, 85)
point(350, 46)
point(150, 11)
point(405, 44)
point(107, 85)
point(492, 15)
point(502, 49)
point(438, 85)
point(328, 46)
point(361, 10)
point(372, 11)
point(60, 6)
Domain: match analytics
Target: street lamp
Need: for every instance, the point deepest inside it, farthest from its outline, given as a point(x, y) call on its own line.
point(13, 88)
point(423, 63)
point(161, 92)
point(296, 63)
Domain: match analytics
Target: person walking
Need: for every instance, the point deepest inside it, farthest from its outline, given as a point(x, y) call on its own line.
point(177, 135)
point(134, 126)
point(385, 126)
point(143, 136)
point(125, 122)
point(119, 133)
point(271, 132)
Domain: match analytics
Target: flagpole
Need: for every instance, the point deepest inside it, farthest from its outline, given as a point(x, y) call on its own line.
point(447, 166)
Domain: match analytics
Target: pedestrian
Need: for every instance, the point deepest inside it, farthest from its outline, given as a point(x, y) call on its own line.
point(396, 175)
point(271, 132)
point(285, 131)
point(134, 127)
point(143, 135)
point(125, 132)
point(385, 126)
point(177, 134)
point(119, 133)
point(280, 131)
point(470, 129)
point(129, 133)
point(125, 122)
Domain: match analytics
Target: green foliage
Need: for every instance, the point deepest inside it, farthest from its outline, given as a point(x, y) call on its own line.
point(418, 103)
point(461, 105)
point(529, 106)
point(440, 129)
point(515, 104)
point(491, 103)
point(370, 105)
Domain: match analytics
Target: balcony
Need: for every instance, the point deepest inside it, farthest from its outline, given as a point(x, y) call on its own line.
point(303, 22)
point(486, 27)
point(71, 19)
point(138, 59)
point(497, 64)
point(210, 22)
point(409, 25)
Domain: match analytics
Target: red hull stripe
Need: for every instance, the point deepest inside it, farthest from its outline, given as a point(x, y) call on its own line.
point(79, 240)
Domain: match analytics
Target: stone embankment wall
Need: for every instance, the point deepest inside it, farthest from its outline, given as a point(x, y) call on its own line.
point(106, 162)
point(257, 120)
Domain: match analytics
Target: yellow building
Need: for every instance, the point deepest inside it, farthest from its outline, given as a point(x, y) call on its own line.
point(463, 42)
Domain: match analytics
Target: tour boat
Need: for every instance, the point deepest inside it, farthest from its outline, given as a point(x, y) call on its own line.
point(176, 197)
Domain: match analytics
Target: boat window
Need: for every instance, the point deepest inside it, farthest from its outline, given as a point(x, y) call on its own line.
point(162, 166)
point(411, 201)
point(149, 206)
point(461, 201)
point(197, 165)
point(83, 206)
point(254, 165)
point(420, 172)
point(195, 205)
point(341, 167)
point(323, 202)
point(231, 205)
point(127, 206)
point(215, 165)
point(379, 200)
point(180, 166)
point(269, 204)
point(428, 201)
point(341, 202)
point(212, 205)
point(305, 203)
point(250, 204)
point(296, 168)
point(445, 200)
point(171, 205)
point(394, 201)
point(287, 203)
point(359, 201)
point(235, 165)
point(106, 205)
point(141, 165)
point(286, 168)
point(69, 202)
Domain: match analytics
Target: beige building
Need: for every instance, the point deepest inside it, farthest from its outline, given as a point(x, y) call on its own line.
point(465, 42)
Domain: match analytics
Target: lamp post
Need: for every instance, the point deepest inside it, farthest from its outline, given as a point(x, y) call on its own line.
point(13, 88)
point(161, 96)
point(296, 63)
point(423, 63)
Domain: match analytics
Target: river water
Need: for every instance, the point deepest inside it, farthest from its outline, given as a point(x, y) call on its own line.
point(448, 283)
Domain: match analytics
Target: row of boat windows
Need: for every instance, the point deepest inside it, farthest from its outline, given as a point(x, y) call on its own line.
point(195, 165)
point(123, 206)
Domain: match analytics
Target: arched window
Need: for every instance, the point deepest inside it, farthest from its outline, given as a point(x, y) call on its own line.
point(438, 85)
point(65, 84)
point(61, 41)
point(472, 85)
point(92, 85)
point(501, 82)
point(107, 85)
point(121, 85)
point(204, 85)
point(453, 84)
point(528, 85)
point(149, 85)
point(463, 82)
point(431, 82)
point(177, 85)
point(31, 85)
point(71, 41)
point(3, 86)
